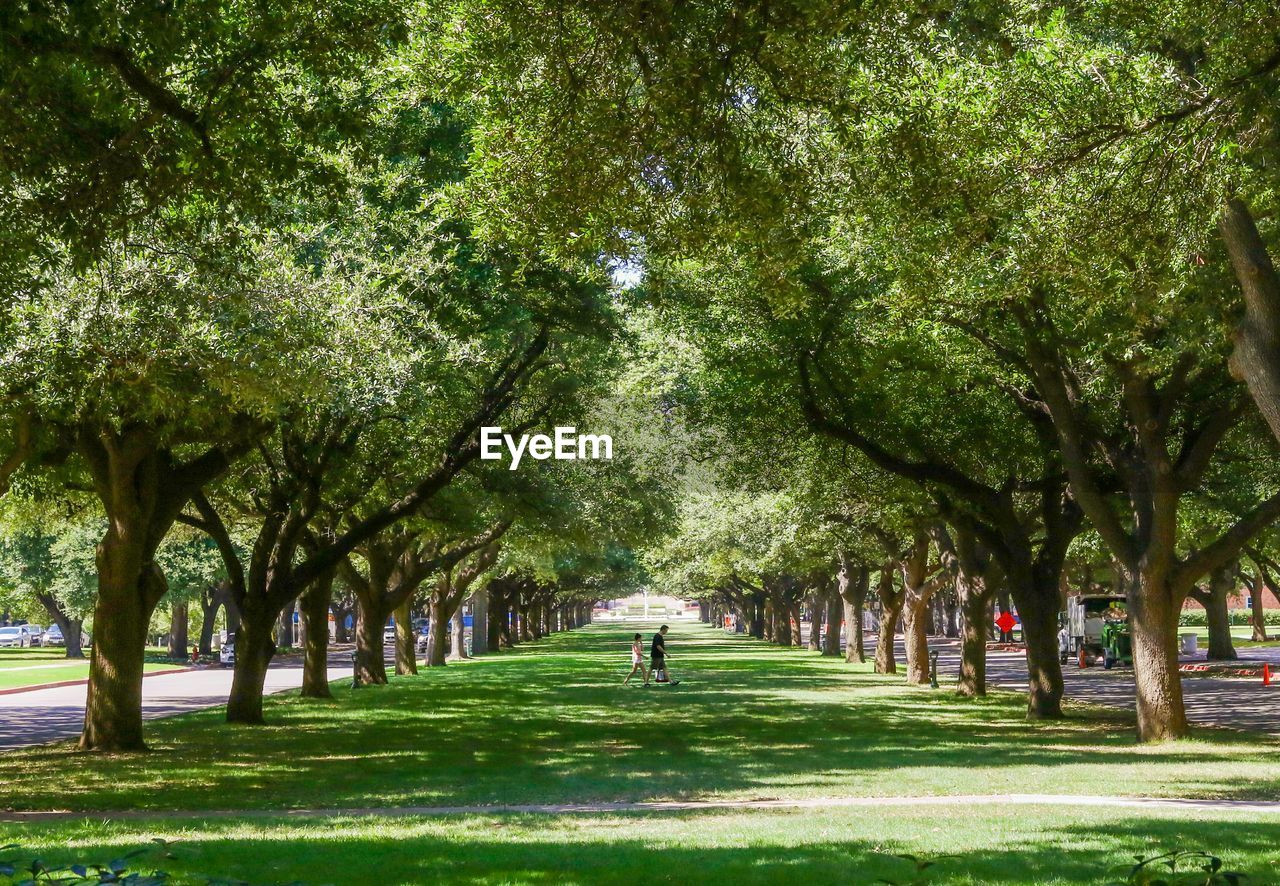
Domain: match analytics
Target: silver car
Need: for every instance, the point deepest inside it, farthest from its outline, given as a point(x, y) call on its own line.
point(15, 636)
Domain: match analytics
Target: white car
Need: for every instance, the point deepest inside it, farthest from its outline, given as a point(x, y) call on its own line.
point(16, 635)
point(227, 653)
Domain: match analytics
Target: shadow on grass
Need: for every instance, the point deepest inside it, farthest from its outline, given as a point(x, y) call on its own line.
point(731, 847)
point(550, 722)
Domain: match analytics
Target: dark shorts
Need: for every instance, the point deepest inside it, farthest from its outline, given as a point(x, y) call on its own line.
point(657, 660)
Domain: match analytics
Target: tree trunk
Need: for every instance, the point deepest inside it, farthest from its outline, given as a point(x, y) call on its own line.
point(758, 617)
point(497, 619)
point(458, 646)
point(1038, 607)
point(314, 608)
point(506, 624)
point(341, 612)
point(781, 623)
point(255, 648)
point(917, 592)
point(480, 622)
point(129, 587)
point(436, 639)
point(915, 637)
point(233, 617)
point(142, 487)
point(977, 578)
point(817, 609)
point(834, 615)
point(886, 660)
point(284, 628)
point(975, 609)
point(1153, 618)
point(526, 630)
point(1217, 616)
point(406, 653)
point(178, 622)
point(1258, 614)
point(72, 628)
point(371, 666)
point(853, 582)
point(951, 616)
point(891, 602)
point(210, 600)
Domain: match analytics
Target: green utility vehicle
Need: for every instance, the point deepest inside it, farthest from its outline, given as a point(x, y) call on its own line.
point(1117, 644)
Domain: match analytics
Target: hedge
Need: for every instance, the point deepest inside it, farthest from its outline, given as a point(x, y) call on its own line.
point(1195, 618)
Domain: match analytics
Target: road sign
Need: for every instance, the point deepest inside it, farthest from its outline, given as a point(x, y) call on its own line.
point(1006, 622)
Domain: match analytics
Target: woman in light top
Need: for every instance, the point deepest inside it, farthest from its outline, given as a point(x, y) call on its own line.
point(637, 661)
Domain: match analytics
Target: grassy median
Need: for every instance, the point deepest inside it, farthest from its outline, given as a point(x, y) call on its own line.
point(550, 723)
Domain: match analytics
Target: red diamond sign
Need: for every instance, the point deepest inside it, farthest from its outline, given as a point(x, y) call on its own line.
point(1006, 622)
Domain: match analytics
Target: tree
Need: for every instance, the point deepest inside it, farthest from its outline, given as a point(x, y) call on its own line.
point(128, 380)
point(113, 112)
point(54, 569)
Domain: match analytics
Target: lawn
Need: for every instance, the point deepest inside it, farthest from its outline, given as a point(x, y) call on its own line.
point(550, 724)
point(1240, 636)
point(32, 667)
point(1030, 846)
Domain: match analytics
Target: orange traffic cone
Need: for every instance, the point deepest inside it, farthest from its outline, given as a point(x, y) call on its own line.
point(1266, 674)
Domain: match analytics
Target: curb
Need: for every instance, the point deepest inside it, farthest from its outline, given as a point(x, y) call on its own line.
point(85, 681)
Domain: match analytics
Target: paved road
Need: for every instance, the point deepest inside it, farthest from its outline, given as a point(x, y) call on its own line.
point(44, 715)
point(1240, 702)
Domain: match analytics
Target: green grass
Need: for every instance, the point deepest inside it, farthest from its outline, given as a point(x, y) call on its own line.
point(1044, 846)
point(11, 657)
point(32, 667)
point(1240, 635)
point(550, 724)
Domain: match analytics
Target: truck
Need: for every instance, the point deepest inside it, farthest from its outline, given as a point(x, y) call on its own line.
point(1098, 628)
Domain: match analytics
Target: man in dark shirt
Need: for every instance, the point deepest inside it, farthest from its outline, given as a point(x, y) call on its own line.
point(658, 658)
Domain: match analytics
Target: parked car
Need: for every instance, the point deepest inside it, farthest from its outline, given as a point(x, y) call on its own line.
point(21, 635)
point(53, 636)
point(37, 634)
point(227, 653)
point(389, 633)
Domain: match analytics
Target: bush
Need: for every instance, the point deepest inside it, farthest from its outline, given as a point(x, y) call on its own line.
point(117, 870)
point(1195, 618)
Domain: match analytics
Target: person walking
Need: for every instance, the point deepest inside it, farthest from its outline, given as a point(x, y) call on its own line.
point(658, 658)
point(637, 660)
